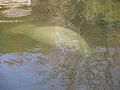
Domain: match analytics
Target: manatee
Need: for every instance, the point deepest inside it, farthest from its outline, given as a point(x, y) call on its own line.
point(52, 36)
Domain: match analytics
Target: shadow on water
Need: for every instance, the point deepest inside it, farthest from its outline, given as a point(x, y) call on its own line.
point(59, 45)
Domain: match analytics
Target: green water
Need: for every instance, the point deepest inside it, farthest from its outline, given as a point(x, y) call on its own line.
point(60, 45)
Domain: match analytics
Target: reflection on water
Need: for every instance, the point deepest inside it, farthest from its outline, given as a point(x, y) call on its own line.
point(16, 12)
point(59, 45)
point(15, 9)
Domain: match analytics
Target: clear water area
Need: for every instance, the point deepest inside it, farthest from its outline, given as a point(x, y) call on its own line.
point(43, 47)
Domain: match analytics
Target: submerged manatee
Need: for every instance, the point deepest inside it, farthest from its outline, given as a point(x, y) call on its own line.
point(52, 36)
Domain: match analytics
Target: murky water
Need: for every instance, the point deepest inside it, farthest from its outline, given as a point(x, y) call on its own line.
point(59, 45)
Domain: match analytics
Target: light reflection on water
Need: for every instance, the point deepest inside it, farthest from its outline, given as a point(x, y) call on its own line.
point(20, 76)
point(28, 71)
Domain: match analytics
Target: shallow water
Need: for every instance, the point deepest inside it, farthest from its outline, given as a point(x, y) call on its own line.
point(56, 45)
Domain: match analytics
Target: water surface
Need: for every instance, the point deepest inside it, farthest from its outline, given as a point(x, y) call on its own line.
point(59, 45)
